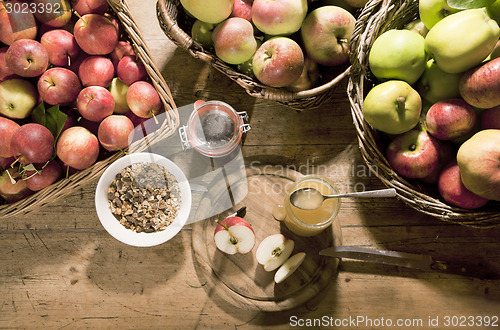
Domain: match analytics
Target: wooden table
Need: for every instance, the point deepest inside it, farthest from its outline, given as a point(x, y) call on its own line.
point(60, 268)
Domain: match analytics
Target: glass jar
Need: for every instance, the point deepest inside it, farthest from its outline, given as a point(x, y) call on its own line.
point(214, 129)
point(311, 222)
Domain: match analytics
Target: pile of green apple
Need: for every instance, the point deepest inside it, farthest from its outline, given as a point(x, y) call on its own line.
point(437, 98)
point(71, 91)
point(282, 43)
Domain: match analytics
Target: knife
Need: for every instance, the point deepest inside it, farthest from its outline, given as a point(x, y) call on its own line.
point(408, 260)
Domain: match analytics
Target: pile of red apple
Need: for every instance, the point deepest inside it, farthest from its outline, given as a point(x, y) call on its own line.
point(235, 235)
point(71, 91)
point(437, 96)
point(281, 43)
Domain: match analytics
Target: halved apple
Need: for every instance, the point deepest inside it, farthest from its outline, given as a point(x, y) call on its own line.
point(289, 267)
point(234, 235)
point(273, 251)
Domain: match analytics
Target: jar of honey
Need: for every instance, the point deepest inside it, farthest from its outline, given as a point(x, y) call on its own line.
point(311, 222)
point(214, 129)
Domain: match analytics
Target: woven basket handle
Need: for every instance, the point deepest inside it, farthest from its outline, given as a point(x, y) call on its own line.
point(116, 3)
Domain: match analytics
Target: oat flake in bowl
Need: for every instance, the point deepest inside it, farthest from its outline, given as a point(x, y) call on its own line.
point(143, 199)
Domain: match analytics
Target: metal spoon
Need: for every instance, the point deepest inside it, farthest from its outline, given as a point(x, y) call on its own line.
point(310, 198)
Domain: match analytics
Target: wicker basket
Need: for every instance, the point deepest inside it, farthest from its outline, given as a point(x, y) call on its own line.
point(377, 17)
point(174, 22)
point(81, 178)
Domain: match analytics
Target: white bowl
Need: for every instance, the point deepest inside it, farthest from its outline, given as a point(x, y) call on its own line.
point(128, 236)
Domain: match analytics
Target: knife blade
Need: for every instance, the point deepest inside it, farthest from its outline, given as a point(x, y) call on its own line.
point(408, 260)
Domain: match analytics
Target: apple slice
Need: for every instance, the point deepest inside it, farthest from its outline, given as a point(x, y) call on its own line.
point(273, 251)
point(234, 235)
point(289, 267)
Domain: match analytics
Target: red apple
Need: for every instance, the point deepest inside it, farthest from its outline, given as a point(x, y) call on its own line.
point(479, 162)
point(59, 86)
point(243, 9)
point(326, 33)
point(27, 58)
point(479, 86)
point(96, 71)
point(447, 152)
point(490, 118)
point(6, 162)
point(95, 103)
point(143, 99)
point(5, 72)
point(32, 143)
point(273, 251)
point(7, 129)
point(13, 191)
point(83, 7)
point(95, 34)
point(278, 62)
point(450, 119)
point(453, 190)
point(123, 48)
point(130, 69)
point(234, 235)
point(114, 132)
point(77, 148)
point(44, 177)
point(413, 154)
point(16, 24)
point(61, 47)
point(309, 77)
point(55, 13)
point(279, 17)
point(234, 40)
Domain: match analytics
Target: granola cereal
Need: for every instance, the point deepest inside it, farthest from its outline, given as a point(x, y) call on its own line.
point(144, 197)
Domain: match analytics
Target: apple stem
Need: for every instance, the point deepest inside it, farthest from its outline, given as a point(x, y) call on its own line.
point(14, 162)
point(154, 117)
point(11, 178)
point(343, 40)
point(69, 60)
point(29, 65)
point(233, 239)
point(401, 103)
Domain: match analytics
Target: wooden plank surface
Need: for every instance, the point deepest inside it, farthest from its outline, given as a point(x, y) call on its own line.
point(60, 269)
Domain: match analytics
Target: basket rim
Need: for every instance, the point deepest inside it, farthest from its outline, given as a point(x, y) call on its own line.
point(376, 17)
point(253, 87)
point(66, 186)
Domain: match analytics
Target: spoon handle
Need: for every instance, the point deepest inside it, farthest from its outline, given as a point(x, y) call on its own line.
point(390, 192)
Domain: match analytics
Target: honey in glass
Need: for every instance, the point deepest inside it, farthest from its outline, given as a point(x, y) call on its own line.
point(310, 222)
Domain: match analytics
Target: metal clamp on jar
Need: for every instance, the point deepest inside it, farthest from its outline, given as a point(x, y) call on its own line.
point(214, 129)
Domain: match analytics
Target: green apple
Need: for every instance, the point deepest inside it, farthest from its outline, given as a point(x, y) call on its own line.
point(201, 32)
point(418, 27)
point(435, 85)
point(493, 11)
point(119, 89)
point(392, 107)
point(398, 54)
point(479, 162)
point(456, 46)
point(213, 11)
point(432, 11)
point(18, 97)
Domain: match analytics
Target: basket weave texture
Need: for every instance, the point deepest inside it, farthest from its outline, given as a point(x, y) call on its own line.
point(68, 185)
point(177, 27)
point(377, 17)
